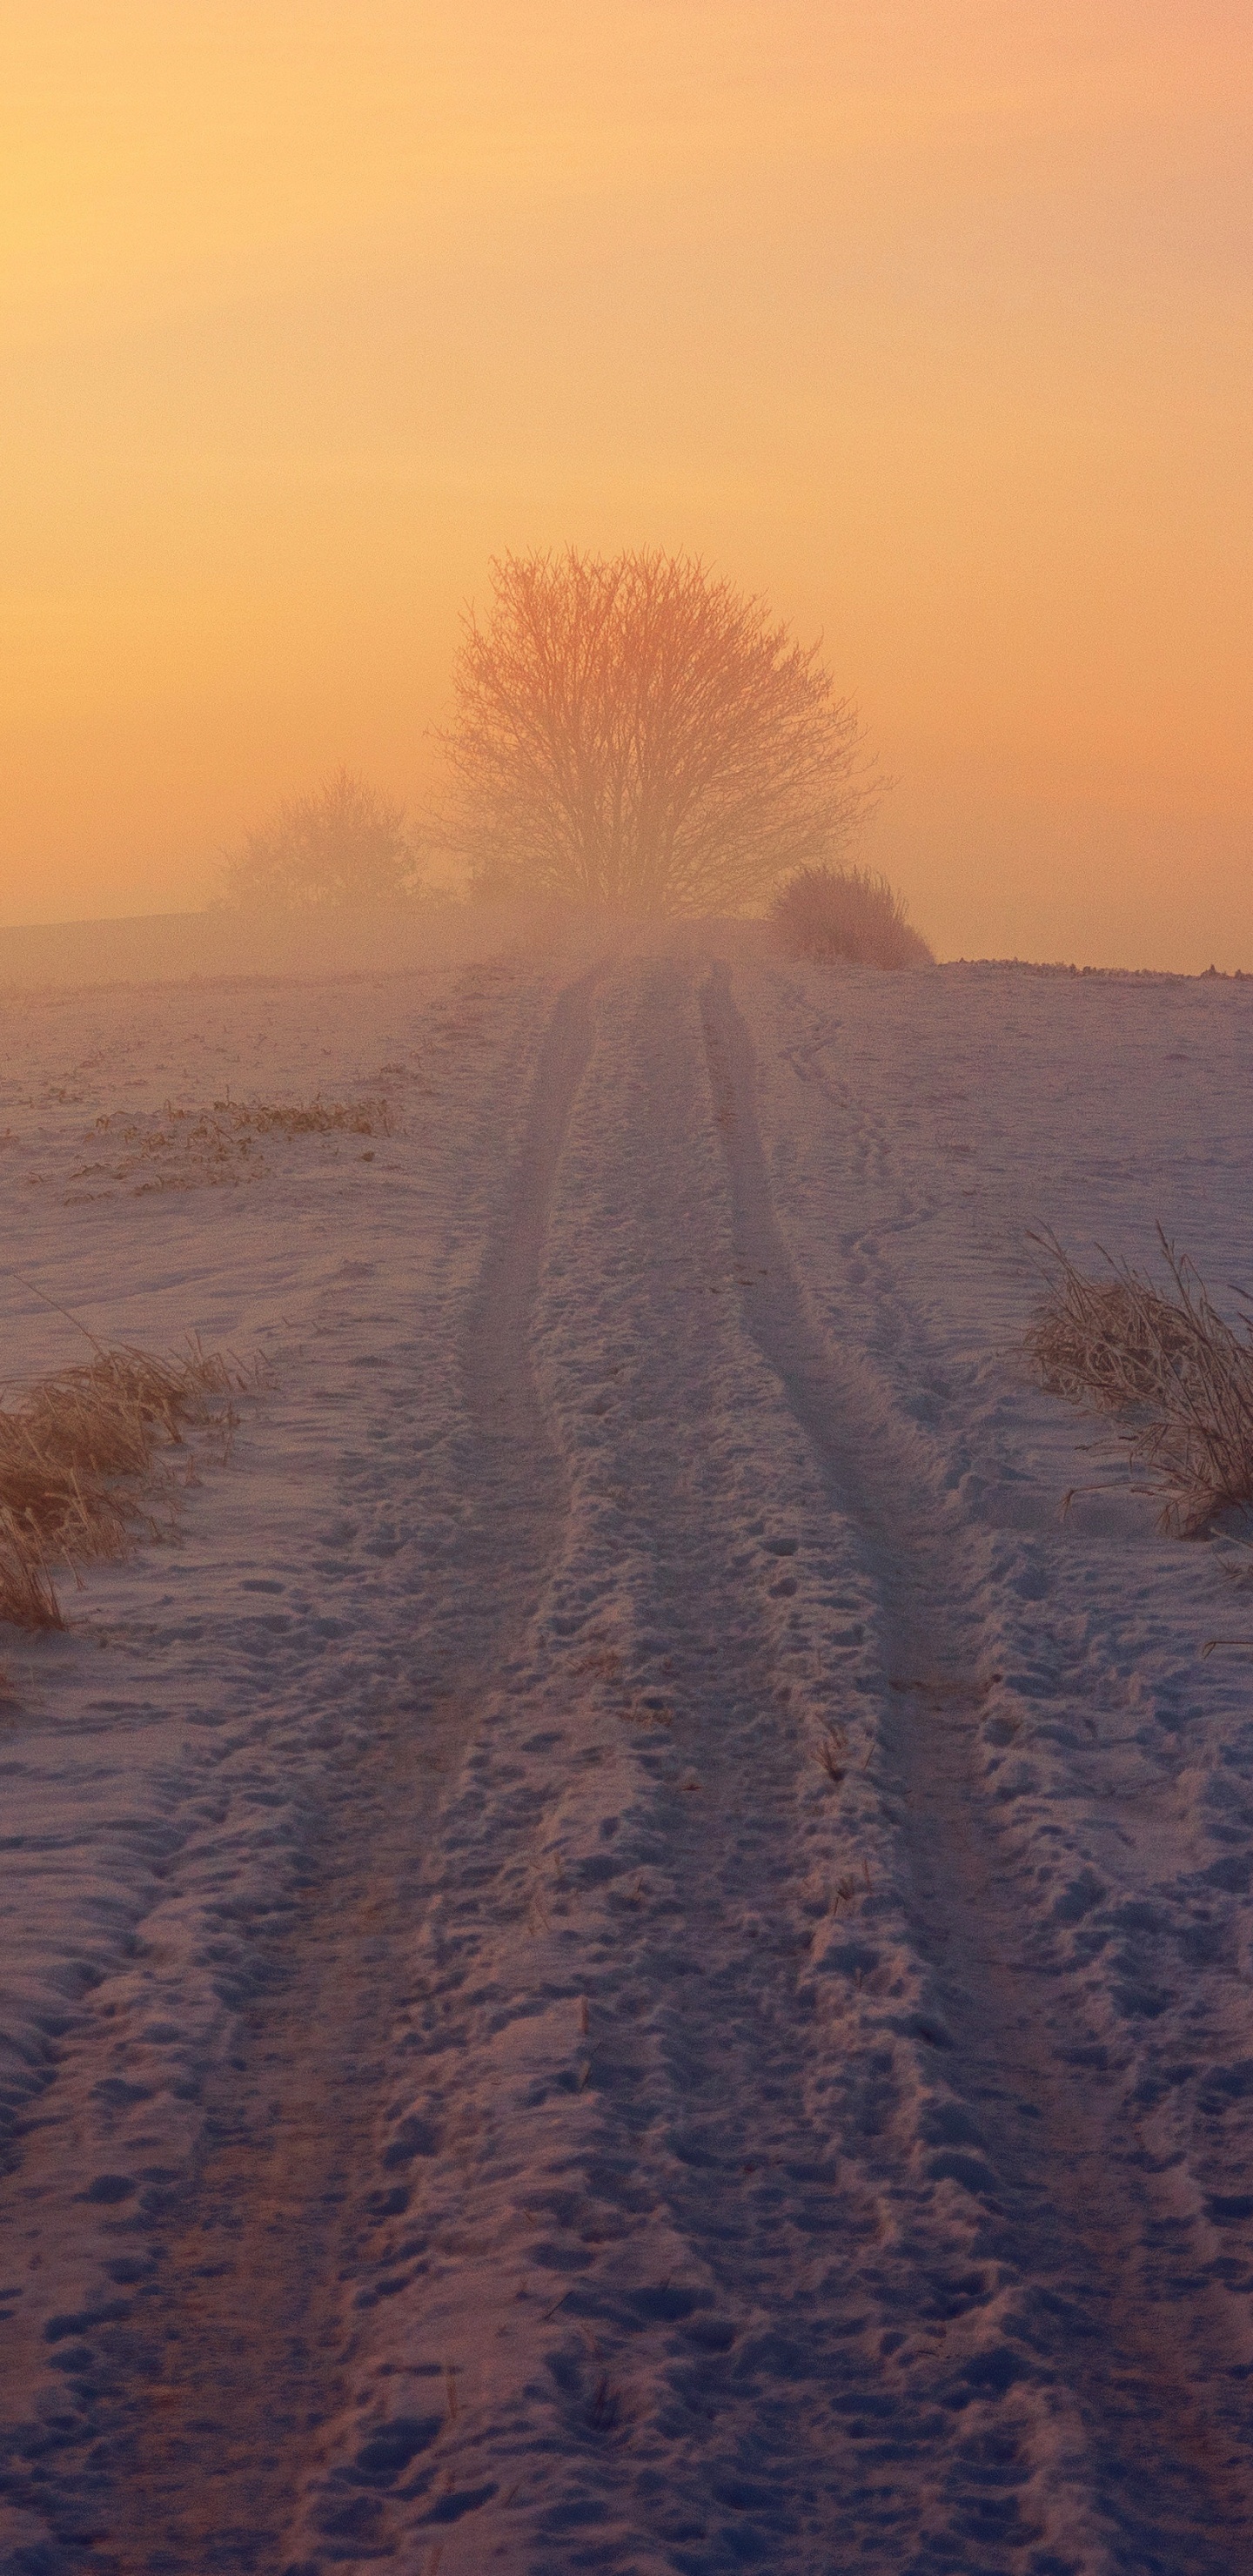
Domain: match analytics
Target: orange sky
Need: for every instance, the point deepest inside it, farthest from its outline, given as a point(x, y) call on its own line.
point(931, 318)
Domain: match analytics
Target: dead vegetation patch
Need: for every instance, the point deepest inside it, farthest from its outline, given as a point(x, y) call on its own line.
point(196, 1148)
point(368, 1117)
point(1162, 1360)
point(81, 1464)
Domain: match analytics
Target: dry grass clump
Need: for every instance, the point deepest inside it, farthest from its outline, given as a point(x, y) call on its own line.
point(77, 1455)
point(829, 914)
point(1169, 1363)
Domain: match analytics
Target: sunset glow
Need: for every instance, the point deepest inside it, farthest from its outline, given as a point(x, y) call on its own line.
point(930, 323)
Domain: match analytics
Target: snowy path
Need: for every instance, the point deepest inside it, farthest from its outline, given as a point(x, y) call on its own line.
point(743, 2057)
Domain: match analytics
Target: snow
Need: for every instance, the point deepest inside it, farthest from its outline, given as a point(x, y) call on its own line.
point(630, 1949)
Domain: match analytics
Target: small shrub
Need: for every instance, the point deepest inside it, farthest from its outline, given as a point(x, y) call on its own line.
point(76, 1456)
point(829, 914)
point(1168, 1362)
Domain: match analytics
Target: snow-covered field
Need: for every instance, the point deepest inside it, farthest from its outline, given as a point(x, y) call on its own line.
point(629, 1952)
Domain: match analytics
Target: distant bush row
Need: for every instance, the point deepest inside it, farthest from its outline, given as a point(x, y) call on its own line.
point(346, 847)
point(632, 735)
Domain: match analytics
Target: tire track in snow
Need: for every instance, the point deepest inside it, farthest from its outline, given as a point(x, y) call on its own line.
point(1110, 2300)
point(652, 2226)
point(217, 2397)
point(516, 1479)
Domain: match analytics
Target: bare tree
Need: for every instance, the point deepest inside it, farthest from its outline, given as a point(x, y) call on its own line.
point(344, 846)
point(632, 731)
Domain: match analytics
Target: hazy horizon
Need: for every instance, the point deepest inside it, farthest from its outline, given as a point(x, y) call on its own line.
point(931, 326)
